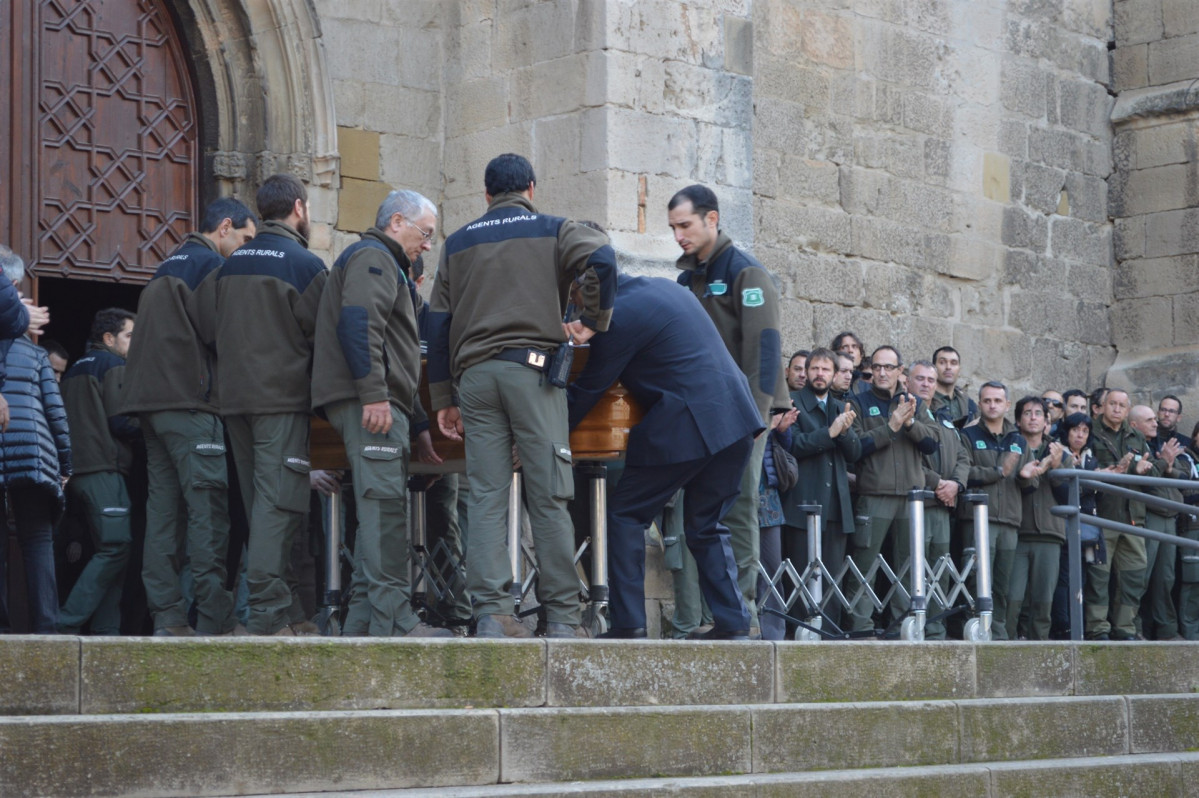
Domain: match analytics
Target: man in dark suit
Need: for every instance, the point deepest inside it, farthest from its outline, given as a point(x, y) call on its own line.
point(823, 442)
point(698, 429)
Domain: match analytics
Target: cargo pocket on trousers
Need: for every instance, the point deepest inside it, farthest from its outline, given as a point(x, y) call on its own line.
point(207, 465)
point(291, 494)
point(382, 472)
point(861, 531)
point(114, 527)
point(1190, 567)
point(562, 480)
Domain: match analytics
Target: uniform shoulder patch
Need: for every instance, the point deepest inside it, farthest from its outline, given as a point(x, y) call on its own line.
point(980, 444)
point(753, 298)
point(873, 411)
point(718, 288)
point(1015, 447)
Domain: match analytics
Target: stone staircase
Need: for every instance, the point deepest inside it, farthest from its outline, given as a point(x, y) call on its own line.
point(244, 716)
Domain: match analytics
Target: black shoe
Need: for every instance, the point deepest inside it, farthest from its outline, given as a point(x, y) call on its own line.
point(637, 633)
point(720, 634)
point(1100, 636)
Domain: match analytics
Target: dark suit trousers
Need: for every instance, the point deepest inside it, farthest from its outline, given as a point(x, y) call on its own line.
point(710, 486)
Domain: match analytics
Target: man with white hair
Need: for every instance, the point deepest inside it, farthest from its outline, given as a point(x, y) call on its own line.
point(365, 373)
point(17, 315)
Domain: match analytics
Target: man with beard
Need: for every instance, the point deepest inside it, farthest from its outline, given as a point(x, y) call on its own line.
point(950, 401)
point(824, 443)
point(1169, 411)
point(1074, 401)
point(267, 293)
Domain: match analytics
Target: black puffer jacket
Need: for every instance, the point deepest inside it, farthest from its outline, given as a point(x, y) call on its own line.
point(36, 447)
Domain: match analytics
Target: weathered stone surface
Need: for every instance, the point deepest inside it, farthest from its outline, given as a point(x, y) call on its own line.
point(195, 675)
point(223, 754)
point(814, 737)
point(873, 671)
point(1162, 144)
point(1033, 669)
point(1172, 233)
point(1179, 17)
point(1042, 728)
point(41, 675)
point(1157, 277)
point(1172, 60)
point(1144, 323)
point(1138, 21)
point(1130, 67)
point(570, 744)
point(682, 673)
point(1163, 723)
point(1143, 191)
point(1104, 778)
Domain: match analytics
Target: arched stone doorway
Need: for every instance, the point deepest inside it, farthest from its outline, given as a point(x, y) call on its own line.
point(126, 117)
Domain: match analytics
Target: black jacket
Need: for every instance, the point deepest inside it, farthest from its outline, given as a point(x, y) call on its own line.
point(822, 462)
point(92, 392)
point(36, 447)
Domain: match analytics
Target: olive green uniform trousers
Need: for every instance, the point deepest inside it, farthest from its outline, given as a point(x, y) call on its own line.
point(505, 403)
point(187, 519)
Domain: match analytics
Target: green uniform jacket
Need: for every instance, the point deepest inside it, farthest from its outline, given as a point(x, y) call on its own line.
point(92, 395)
point(1162, 468)
point(950, 462)
point(742, 300)
point(1037, 498)
point(892, 462)
point(502, 283)
point(367, 340)
point(960, 409)
point(171, 368)
point(987, 453)
point(267, 296)
point(1109, 446)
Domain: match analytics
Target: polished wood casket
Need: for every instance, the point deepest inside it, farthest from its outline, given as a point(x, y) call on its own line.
point(602, 435)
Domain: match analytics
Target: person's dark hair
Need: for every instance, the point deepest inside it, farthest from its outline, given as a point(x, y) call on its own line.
point(839, 339)
point(508, 173)
point(941, 349)
point(821, 353)
point(1170, 396)
point(1072, 393)
point(993, 384)
point(278, 196)
point(1070, 422)
point(109, 320)
point(702, 199)
point(1023, 401)
point(53, 347)
point(226, 208)
point(1097, 397)
point(805, 354)
point(877, 349)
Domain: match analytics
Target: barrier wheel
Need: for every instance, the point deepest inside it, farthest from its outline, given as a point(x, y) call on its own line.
point(910, 630)
point(595, 621)
point(327, 621)
point(972, 631)
point(803, 635)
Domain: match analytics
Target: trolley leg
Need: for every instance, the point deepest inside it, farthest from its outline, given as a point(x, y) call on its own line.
point(328, 618)
point(514, 551)
point(816, 581)
point(418, 515)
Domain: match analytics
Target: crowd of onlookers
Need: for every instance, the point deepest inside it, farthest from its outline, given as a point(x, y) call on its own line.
point(912, 425)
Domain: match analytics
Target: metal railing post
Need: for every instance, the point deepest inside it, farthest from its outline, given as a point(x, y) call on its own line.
point(599, 536)
point(328, 618)
point(1074, 553)
point(815, 555)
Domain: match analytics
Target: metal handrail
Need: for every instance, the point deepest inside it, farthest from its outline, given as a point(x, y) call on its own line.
point(1109, 482)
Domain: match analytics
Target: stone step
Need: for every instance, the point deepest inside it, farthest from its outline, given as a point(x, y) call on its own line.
point(68, 675)
point(201, 754)
point(1091, 777)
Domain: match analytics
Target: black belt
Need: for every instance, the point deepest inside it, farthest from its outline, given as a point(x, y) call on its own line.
point(533, 358)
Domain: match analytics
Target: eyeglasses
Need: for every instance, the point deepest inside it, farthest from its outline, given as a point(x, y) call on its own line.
point(426, 235)
point(884, 366)
point(1053, 403)
point(1166, 412)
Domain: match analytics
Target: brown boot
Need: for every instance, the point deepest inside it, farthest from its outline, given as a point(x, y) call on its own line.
point(424, 630)
point(501, 626)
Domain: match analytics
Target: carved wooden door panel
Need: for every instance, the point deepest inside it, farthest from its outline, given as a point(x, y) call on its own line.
point(110, 147)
